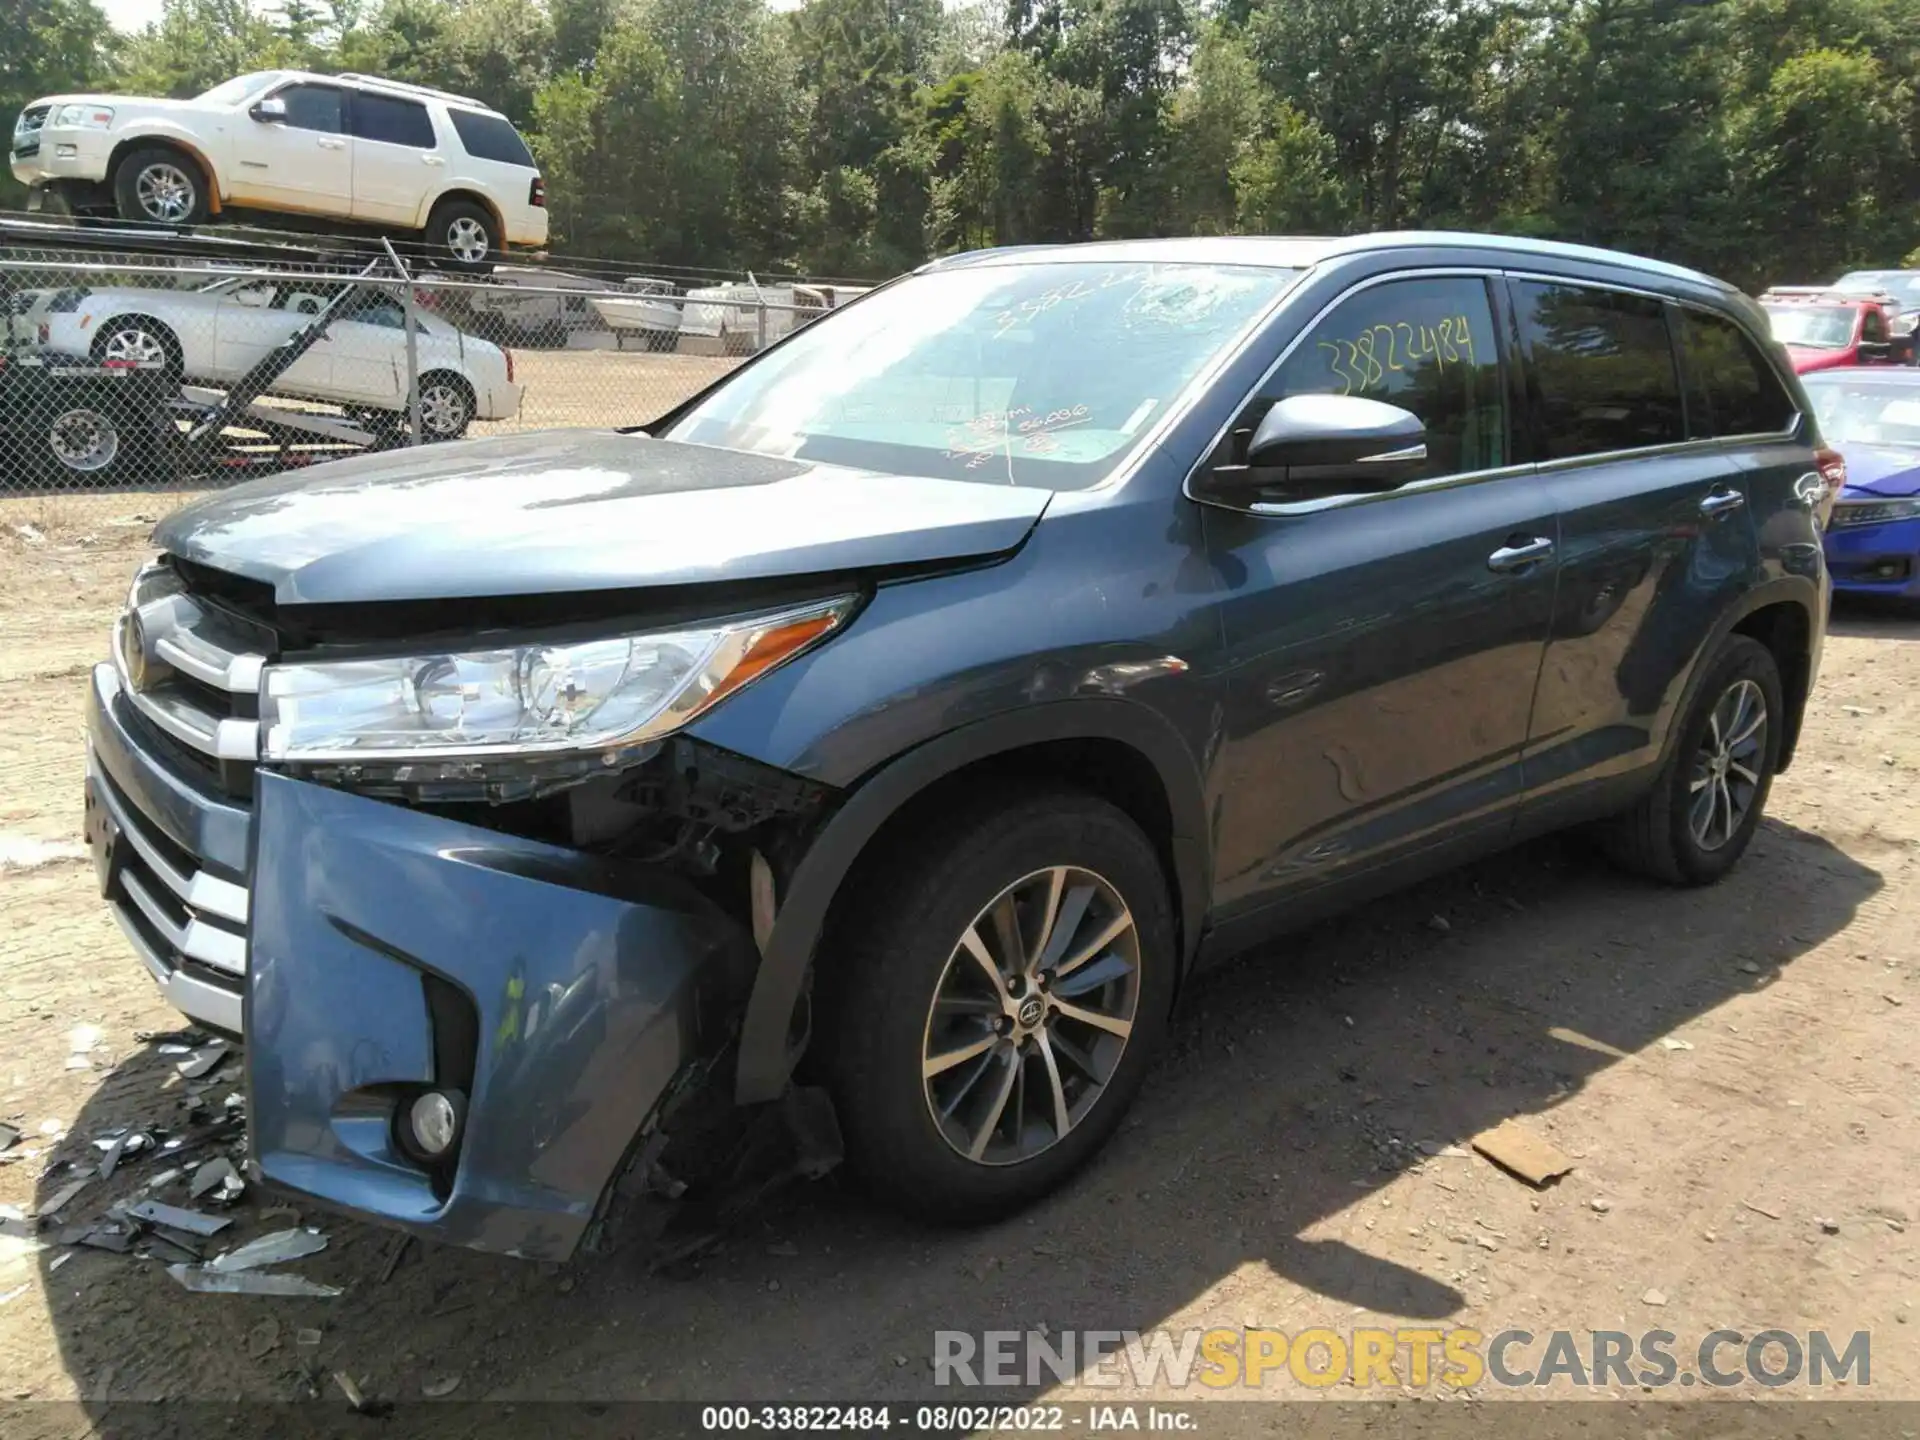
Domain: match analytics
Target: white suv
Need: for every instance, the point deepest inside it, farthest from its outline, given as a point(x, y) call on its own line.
point(346, 148)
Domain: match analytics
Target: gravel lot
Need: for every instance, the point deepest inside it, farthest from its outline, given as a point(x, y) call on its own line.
point(1728, 1069)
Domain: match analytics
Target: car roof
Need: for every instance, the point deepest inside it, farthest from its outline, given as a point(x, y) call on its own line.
point(356, 80)
point(1298, 252)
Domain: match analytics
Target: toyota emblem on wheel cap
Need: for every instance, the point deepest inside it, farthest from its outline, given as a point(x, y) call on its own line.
point(1031, 1009)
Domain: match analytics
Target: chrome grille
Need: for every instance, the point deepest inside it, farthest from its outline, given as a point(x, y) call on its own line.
point(189, 670)
point(192, 670)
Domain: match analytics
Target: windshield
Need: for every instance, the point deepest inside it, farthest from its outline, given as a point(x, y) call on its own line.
point(1818, 327)
point(1869, 412)
point(1905, 284)
point(1042, 374)
point(241, 87)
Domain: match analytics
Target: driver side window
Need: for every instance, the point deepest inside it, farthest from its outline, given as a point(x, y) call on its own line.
point(1427, 345)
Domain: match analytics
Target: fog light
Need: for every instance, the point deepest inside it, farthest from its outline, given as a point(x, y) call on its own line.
point(434, 1120)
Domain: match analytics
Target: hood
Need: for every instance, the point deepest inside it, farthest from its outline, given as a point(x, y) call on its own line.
point(146, 104)
point(579, 510)
point(1808, 358)
point(1881, 471)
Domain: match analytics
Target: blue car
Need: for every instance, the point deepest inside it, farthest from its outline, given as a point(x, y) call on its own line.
point(866, 752)
point(1872, 417)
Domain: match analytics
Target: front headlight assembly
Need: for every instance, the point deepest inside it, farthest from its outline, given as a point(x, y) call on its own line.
point(588, 704)
point(83, 117)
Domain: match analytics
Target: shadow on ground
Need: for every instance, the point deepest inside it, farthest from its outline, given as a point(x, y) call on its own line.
point(1297, 1081)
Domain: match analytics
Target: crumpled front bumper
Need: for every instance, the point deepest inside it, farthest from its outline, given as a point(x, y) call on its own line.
point(381, 934)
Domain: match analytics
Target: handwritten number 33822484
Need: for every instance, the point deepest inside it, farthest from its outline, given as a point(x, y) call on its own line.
point(1364, 362)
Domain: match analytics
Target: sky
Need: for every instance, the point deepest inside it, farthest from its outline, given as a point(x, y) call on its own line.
point(128, 16)
point(131, 15)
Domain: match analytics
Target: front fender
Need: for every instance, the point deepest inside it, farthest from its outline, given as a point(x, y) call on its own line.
point(766, 1056)
point(139, 132)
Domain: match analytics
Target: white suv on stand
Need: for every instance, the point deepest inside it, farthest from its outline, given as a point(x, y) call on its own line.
point(333, 148)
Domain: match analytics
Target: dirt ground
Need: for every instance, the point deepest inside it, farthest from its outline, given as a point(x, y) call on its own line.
point(1731, 1070)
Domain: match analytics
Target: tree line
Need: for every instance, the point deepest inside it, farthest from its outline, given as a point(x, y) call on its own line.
point(1762, 140)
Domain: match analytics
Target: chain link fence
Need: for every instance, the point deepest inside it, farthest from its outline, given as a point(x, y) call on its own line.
point(129, 384)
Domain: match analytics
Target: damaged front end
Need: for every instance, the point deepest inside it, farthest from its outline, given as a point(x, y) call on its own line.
point(540, 986)
point(483, 913)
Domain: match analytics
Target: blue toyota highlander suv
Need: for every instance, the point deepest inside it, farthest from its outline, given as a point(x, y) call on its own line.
point(902, 719)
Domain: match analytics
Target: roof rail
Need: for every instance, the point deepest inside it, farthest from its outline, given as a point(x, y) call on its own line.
point(408, 88)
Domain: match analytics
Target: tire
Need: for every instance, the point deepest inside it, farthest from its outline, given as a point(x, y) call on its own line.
point(157, 185)
point(139, 338)
point(1661, 837)
point(463, 235)
point(446, 406)
point(905, 952)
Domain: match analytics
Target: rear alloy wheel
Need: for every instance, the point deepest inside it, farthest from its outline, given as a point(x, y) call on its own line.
point(993, 1001)
point(464, 233)
point(446, 407)
point(1697, 820)
point(83, 441)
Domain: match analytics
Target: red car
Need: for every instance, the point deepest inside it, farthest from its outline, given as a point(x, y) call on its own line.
point(1824, 328)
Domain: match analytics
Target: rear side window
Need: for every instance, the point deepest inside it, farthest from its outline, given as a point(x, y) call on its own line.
point(1602, 375)
point(313, 107)
point(1873, 326)
point(392, 121)
point(488, 137)
point(1424, 344)
point(1731, 389)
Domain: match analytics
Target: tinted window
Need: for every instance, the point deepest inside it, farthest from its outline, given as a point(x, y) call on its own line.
point(488, 137)
point(396, 122)
point(313, 107)
point(1425, 345)
point(1602, 372)
point(1731, 390)
point(1873, 327)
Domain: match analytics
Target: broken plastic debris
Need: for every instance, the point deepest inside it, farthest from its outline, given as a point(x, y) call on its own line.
point(274, 1249)
point(441, 1388)
point(202, 1060)
point(359, 1402)
point(59, 1260)
point(204, 1280)
point(218, 1179)
point(57, 1201)
point(1667, 1042)
point(8, 1135)
point(1516, 1149)
point(194, 1222)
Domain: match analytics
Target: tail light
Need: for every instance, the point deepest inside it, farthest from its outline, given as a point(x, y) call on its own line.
point(1833, 479)
point(538, 194)
point(45, 332)
point(509, 355)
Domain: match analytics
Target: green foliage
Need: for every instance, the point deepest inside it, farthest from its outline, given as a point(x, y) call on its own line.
point(1765, 140)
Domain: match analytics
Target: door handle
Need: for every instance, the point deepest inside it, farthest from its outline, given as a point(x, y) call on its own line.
point(1722, 502)
point(333, 144)
point(1509, 558)
point(432, 160)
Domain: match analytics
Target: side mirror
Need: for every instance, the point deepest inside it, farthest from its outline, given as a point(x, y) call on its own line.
point(1310, 446)
point(271, 111)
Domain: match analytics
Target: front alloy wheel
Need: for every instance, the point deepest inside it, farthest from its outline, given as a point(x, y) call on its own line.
point(991, 998)
point(1032, 1015)
point(134, 345)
